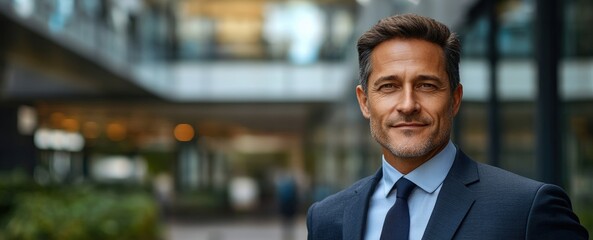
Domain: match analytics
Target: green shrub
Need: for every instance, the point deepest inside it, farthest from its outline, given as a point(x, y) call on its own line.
point(585, 214)
point(76, 212)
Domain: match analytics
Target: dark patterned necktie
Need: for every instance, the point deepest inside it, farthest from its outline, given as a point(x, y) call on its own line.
point(397, 221)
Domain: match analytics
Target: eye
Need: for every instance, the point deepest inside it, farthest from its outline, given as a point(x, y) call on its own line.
point(388, 87)
point(427, 86)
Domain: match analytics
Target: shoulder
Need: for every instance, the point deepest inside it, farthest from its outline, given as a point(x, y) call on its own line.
point(546, 207)
point(489, 181)
point(497, 176)
point(325, 219)
point(336, 201)
point(501, 188)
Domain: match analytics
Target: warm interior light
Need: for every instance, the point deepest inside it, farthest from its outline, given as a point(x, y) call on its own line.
point(70, 124)
point(116, 132)
point(184, 132)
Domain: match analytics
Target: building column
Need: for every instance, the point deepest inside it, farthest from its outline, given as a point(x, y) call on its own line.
point(548, 54)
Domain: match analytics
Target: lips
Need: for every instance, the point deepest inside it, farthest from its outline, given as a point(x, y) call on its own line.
point(410, 125)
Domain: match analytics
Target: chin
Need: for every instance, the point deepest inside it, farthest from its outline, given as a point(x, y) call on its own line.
point(409, 153)
point(411, 147)
point(406, 139)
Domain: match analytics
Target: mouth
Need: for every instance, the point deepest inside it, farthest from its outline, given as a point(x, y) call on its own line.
point(410, 125)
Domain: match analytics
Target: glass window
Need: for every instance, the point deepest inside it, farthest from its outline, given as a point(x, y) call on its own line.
point(576, 82)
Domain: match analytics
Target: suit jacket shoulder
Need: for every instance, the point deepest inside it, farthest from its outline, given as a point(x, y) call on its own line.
point(478, 201)
point(343, 214)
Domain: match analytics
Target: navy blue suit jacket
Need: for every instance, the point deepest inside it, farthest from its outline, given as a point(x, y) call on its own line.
point(476, 201)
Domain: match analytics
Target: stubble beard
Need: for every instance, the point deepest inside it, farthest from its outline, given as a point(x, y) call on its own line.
point(404, 149)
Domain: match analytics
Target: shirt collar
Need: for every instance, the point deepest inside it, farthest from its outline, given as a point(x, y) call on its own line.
point(428, 176)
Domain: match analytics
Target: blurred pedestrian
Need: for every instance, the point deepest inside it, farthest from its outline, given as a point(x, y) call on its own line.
point(288, 202)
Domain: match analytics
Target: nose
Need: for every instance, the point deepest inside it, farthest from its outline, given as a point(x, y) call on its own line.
point(407, 103)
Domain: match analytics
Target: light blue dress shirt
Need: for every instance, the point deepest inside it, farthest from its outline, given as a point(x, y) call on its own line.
point(428, 178)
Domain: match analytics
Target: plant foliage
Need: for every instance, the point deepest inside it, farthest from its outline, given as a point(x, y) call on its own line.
point(81, 212)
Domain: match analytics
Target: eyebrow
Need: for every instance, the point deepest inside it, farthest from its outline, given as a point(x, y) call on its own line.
point(386, 78)
point(428, 77)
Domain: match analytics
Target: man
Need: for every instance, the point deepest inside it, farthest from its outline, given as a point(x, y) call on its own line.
point(410, 91)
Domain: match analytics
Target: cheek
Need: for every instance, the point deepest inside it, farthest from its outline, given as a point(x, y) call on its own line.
point(440, 110)
point(381, 105)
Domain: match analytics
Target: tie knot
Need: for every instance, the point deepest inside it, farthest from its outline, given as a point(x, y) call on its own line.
point(404, 187)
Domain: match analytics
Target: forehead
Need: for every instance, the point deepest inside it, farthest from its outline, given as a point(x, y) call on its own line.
point(409, 55)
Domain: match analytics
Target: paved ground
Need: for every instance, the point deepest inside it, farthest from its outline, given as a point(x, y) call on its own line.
point(244, 229)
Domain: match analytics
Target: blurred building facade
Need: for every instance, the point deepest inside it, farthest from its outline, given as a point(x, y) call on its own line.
point(195, 95)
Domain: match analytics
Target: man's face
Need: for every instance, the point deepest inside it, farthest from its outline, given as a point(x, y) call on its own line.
point(408, 100)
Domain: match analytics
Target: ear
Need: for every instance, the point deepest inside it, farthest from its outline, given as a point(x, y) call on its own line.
point(363, 101)
point(457, 95)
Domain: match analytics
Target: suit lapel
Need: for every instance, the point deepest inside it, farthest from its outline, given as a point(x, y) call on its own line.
point(355, 212)
point(454, 200)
